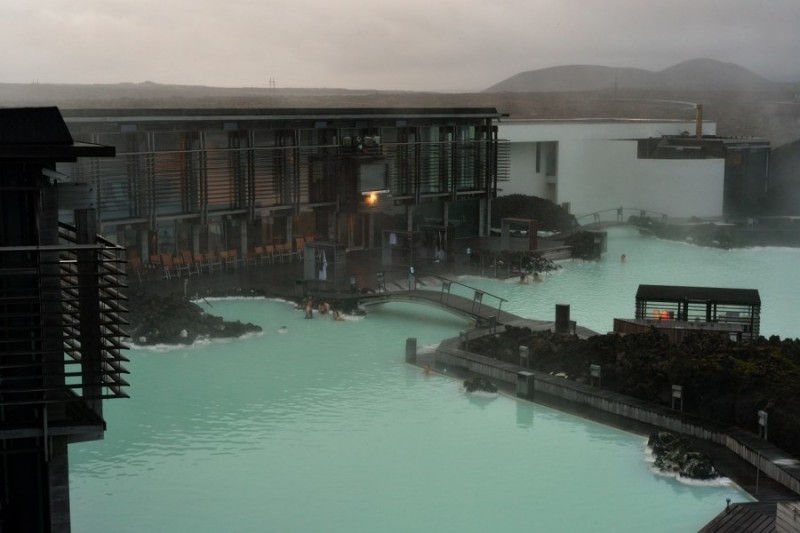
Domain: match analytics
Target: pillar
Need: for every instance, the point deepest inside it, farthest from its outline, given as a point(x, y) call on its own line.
point(411, 350)
point(525, 384)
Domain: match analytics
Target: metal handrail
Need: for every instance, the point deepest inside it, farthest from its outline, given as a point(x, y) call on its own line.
point(619, 211)
point(477, 295)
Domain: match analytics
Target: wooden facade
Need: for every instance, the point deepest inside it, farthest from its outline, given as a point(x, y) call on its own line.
point(214, 180)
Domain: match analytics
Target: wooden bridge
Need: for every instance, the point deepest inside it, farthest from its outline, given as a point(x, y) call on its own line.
point(614, 217)
point(474, 304)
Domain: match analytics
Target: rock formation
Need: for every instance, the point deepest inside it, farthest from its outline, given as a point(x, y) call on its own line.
point(171, 319)
point(479, 384)
point(675, 455)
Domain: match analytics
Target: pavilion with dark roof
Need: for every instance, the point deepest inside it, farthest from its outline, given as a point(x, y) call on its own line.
point(675, 310)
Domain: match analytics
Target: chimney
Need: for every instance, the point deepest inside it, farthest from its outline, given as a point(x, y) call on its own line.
point(698, 121)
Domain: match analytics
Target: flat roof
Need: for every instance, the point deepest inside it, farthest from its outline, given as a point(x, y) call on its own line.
point(306, 113)
point(609, 120)
point(39, 133)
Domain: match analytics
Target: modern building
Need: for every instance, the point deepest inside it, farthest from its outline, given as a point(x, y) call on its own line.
point(61, 333)
point(679, 310)
point(679, 168)
point(209, 181)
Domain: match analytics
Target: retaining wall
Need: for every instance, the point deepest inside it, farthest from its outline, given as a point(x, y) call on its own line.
point(772, 461)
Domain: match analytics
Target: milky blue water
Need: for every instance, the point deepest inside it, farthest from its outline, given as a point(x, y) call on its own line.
point(325, 428)
point(599, 291)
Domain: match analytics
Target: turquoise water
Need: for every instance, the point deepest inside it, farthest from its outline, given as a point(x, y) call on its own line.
point(325, 428)
point(599, 291)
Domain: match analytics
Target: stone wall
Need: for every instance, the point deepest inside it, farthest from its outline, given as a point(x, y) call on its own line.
point(772, 461)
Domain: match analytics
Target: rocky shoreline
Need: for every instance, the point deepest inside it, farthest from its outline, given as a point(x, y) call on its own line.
point(722, 380)
point(675, 455)
point(172, 319)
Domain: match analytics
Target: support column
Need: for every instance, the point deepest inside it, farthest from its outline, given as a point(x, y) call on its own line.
point(411, 350)
point(333, 227)
point(289, 229)
point(144, 242)
point(196, 230)
point(371, 231)
point(484, 216)
point(243, 238)
point(89, 302)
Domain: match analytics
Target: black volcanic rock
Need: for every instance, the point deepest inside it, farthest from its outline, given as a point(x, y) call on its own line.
point(674, 454)
point(550, 217)
point(723, 381)
point(479, 384)
point(171, 319)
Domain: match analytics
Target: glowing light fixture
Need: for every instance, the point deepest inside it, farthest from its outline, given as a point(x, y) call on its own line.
point(371, 197)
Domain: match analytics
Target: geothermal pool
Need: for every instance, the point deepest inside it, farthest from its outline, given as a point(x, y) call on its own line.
point(325, 428)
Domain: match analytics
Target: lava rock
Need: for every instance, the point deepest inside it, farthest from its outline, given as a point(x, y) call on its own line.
point(674, 454)
point(171, 319)
point(479, 384)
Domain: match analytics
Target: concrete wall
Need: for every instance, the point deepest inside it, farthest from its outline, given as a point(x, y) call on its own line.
point(598, 168)
point(524, 178)
point(772, 461)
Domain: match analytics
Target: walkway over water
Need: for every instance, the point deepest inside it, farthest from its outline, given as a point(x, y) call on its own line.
point(614, 217)
point(474, 304)
point(488, 312)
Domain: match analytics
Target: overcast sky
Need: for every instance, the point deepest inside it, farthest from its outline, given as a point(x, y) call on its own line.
point(437, 45)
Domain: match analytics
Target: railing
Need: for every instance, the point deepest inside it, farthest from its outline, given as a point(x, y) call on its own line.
point(138, 186)
point(615, 216)
point(477, 294)
point(61, 326)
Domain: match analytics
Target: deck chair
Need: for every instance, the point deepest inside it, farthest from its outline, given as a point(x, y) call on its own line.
point(258, 256)
point(135, 267)
point(191, 265)
point(234, 258)
point(210, 260)
point(180, 266)
point(285, 251)
point(269, 254)
point(299, 246)
point(199, 261)
point(169, 266)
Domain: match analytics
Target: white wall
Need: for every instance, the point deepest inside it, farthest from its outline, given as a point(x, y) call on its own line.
point(524, 178)
point(598, 175)
point(598, 167)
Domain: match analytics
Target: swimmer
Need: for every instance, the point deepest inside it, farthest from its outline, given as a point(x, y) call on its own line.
point(426, 370)
point(622, 258)
point(283, 329)
point(537, 278)
point(324, 307)
point(523, 278)
point(337, 315)
point(309, 308)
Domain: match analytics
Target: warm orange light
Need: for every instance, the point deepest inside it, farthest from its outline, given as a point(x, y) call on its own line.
point(372, 198)
point(662, 314)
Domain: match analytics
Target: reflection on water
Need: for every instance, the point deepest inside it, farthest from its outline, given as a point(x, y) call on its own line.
point(325, 428)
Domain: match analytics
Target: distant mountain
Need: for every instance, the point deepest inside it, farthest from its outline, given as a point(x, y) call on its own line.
point(692, 74)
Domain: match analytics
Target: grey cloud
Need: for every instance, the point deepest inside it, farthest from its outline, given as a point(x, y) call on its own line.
point(411, 44)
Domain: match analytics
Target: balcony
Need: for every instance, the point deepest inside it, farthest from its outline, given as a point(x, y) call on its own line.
point(61, 336)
